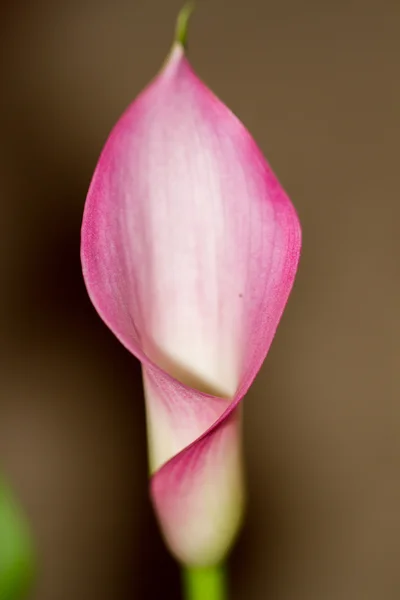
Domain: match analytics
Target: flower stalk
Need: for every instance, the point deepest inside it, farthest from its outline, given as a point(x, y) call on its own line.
point(209, 583)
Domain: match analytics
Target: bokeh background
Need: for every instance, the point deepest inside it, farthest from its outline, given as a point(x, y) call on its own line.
point(317, 83)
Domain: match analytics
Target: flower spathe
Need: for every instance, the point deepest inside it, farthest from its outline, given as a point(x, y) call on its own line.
point(189, 251)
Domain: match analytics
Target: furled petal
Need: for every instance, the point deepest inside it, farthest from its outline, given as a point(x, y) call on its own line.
point(189, 251)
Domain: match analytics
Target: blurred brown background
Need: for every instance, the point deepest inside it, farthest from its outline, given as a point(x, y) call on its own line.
point(317, 83)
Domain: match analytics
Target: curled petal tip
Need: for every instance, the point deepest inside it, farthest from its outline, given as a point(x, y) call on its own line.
point(181, 32)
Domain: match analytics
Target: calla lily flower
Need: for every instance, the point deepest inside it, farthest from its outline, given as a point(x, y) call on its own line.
point(189, 250)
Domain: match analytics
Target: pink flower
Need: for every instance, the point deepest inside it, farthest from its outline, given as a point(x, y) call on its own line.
point(189, 251)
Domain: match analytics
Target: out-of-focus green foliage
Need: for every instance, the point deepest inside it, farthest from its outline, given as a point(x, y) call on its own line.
point(16, 555)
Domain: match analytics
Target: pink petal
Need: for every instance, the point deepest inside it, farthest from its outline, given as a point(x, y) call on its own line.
point(189, 250)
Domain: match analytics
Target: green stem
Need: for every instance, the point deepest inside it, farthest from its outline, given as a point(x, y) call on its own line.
point(207, 583)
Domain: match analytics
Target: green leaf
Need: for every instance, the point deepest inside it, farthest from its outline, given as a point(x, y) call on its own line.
point(16, 554)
